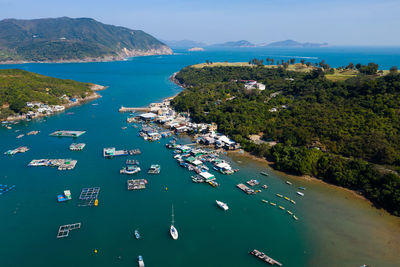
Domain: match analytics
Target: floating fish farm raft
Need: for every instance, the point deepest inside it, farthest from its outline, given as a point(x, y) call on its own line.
point(88, 196)
point(21, 149)
point(61, 164)
point(137, 184)
point(5, 188)
point(64, 230)
point(246, 189)
point(253, 182)
point(67, 133)
point(262, 256)
point(110, 152)
point(77, 146)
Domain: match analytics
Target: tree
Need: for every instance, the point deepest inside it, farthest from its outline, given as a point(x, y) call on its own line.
point(302, 61)
point(393, 69)
point(350, 66)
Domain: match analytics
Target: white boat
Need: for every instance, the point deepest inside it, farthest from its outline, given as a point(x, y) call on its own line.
point(300, 193)
point(289, 183)
point(172, 229)
point(222, 205)
point(140, 261)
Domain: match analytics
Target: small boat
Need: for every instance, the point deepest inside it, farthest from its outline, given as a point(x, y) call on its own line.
point(302, 188)
point(286, 198)
point(213, 183)
point(154, 169)
point(265, 186)
point(64, 197)
point(272, 203)
point(295, 217)
point(140, 261)
point(294, 202)
point(289, 183)
point(124, 128)
point(263, 200)
point(291, 213)
point(20, 136)
point(282, 208)
point(300, 194)
point(172, 230)
point(279, 195)
point(264, 173)
point(222, 205)
point(137, 234)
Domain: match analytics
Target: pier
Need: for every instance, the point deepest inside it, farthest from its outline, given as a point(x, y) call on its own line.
point(137, 184)
point(127, 109)
point(89, 196)
point(262, 256)
point(64, 230)
point(245, 189)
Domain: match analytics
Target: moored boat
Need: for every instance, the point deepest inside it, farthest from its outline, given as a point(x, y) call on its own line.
point(137, 234)
point(264, 173)
point(300, 194)
point(140, 261)
point(289, 183)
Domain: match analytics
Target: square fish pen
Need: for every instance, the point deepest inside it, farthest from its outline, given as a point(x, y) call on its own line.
point(88, 196)
point(63, 231)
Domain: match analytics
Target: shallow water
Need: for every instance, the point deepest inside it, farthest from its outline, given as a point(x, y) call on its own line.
point(335, 228)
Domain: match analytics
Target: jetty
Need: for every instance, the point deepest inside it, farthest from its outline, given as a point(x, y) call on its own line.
point(262, 256)
point(137, 184)
point(89, 196)
point(64, 230)
point(21, 149)
point(245, 189)
point(127, 109)
point(77, 146)
point(65, 133)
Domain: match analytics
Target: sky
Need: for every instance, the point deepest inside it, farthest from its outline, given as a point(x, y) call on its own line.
point(337, 22)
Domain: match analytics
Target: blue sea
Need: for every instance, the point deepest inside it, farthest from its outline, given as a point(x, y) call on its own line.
point(335, 227)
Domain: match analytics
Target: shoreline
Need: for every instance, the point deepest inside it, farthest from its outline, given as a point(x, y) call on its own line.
point(80, 101)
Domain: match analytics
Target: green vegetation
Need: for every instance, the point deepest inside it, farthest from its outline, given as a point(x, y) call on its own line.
point(345, 131)
point(18, 87)
point(69, 39)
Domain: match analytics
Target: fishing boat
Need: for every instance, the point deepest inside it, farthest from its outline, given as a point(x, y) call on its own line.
point(282, 208)
point(265, 186)
point(300, 194)
point(154, 169)
point(130, 169)
point(295, 217)
point(302, 188)
point(279, 195)
point(272, 203)
point(294, 202)
point(289, 183)
point(222, 205)
point(264, 173)
point(172, 229)
point(137, 234)
point(213, 183)
point(140, 261)
point(263, 200)
point(291, 213)
point(286, 198)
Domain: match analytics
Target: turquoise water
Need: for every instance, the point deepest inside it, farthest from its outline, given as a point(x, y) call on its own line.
point(324, 235)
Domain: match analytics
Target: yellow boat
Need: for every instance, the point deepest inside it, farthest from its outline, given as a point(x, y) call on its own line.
point(287, 198)
point(282, 208)
point(279, 195)
point(273, 204)
point(96, 202)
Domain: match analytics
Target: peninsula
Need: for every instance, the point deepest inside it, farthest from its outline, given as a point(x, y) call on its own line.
point(72, 40)
point(26, 95)
point(336, 124)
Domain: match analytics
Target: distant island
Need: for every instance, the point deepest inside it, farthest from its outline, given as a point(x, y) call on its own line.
point(27, 95)
point(291, 43)
point(72, 40)
point(196, 49)
point(340, 125)
point(241, 43)
point(184, 43)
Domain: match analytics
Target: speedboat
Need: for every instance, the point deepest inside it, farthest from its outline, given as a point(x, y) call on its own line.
point(300, 194)
point(137, 234)
point(172, 230)
point(140, 261)
point(222, 205)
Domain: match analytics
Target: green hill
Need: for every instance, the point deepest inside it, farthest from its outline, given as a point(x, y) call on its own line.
point(346, 132)
point(68, 39)
point(18, 87)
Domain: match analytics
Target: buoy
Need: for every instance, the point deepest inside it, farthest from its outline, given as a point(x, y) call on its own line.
point(96, 202)
point(95, 251)
point(166, 188)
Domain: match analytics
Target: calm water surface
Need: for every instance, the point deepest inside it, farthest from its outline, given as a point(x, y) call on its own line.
point(334, 228)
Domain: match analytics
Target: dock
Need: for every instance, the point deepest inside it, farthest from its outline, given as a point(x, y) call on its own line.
point(245, 189)
point(137, 184)
point(77, 146)
point(262, 256)
point(89, 196)
point(65, 133)
point(127, 109)
point(64, 230)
